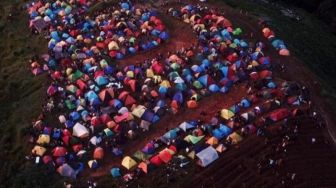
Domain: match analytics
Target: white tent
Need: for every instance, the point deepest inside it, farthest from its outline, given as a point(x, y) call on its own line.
point(80, 131)
point(207, 156)
point(185, 125)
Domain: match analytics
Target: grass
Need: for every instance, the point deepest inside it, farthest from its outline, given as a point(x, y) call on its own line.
point(20, 97)
point(21, 94)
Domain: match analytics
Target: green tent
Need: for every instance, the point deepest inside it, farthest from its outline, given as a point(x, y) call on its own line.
point(237, 31)
point(193, 139)
point(70, 105)
point(140, 155)
point(197, 84)
point(75, 76)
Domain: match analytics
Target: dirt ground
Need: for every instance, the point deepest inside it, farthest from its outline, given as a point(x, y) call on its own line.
point(313, 164)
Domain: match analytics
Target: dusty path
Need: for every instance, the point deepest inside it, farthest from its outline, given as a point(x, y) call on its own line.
point(181, 36)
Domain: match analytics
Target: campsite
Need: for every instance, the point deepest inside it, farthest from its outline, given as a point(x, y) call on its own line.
point(163, 94)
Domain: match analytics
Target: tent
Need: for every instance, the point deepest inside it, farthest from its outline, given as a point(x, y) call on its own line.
point(144, 167)
point(80, 131)
point(59, 151)
point(39, 150)
point(235, 138)
point(115, 172)
point(93, 164)
point(66, 171)
point(98, 153)
point(207, 156)
point(128, 162)
point(139, 155)
point(193, 139)
point(212, 141)
point(165, 156)
point(185, 126)
point(279, 114)
point(43, 139)
point(226, 114)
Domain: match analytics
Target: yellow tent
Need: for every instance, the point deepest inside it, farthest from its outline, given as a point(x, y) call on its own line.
point(38, 150)
point(43, 139)
point(128, 162)
point(226, 114)
point(130, 74)
point(149, 73)
point(191, 154)
point(212, 141)
point(165, 83)
point(139, 111)
point(113, 45)
point(235, 138)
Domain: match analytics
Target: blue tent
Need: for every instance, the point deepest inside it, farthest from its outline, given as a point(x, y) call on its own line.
point(172, 134)
point(108, 69)
point(271, 85)
point(224, 70)
point(225, 130)
point(161, 103)
point(91, 95)
point(117, 152)
point(224, 89)
point(69, 124)
point(214, 88)
point(245, 103)
point(101, 80)
point(181, 86)
point(147, 116)
point(178, 97)
point(155, 32)
point(74, 116)
point(164, 36)
point(218, 134)
point(115, 172)
point(276, 43)
point(132, 50)
point(163, 90)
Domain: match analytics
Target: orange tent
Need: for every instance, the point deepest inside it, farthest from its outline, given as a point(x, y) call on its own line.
point(98, 153)
point(192, 104)
point(143, 167)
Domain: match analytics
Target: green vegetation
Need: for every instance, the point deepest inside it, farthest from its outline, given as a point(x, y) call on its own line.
point(21, 97)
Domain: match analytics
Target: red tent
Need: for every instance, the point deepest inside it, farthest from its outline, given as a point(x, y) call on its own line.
point(46, 159)
point(106, 94)
point(59, 151)
point(279, 114)
point(95, 121)
point(265, 74)
point(105, 118)
point(165, 156)
point(81, 84)
point(76, 148)
point(156, 160)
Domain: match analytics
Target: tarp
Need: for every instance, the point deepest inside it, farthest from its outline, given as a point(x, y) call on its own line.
point(207, 156)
